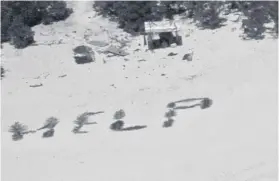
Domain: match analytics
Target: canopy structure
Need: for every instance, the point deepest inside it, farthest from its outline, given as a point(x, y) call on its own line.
point(160, 26)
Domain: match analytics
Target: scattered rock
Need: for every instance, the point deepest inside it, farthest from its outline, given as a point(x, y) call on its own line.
point(136, 50)
point(126, 59)
point(163, 74)
point(142, 60)
point(172, 54)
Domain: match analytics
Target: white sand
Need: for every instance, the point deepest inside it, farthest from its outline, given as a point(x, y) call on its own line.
point(234, 140)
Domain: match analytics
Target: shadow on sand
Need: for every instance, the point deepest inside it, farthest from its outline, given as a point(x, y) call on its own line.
point(119, 126)
point(133, 128)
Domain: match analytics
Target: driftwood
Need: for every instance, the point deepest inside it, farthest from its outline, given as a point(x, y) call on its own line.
point(36, 85)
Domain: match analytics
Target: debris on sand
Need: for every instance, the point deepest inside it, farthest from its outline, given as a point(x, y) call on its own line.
point(188, 57)
point(172, 54)
point(142, 60)
point(98, 43)
point(61, 76)
point(36, 85)
point(116, 51)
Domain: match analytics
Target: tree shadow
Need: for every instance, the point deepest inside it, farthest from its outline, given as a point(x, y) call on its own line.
point(119, 126)
point(133, 128)
point(80, 132)
point(89, 123)
point(77, 128)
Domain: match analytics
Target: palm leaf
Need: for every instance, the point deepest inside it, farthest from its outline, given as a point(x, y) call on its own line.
point(119, 114)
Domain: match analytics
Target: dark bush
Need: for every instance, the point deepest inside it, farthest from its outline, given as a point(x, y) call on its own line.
point(256, 14)
point(19, 16)
point(20, 35)
point(131, 15)
point(55, 11)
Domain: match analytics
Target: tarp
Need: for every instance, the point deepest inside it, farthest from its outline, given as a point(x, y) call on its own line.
point(161, 26)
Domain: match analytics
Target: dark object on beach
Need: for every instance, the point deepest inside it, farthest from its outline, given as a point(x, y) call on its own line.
point(117, 126)
point(83, 54)
point(172, 54)
point(188, 57)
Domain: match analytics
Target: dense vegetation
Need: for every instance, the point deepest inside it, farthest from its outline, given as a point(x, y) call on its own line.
point(18, 17)
point(131, 14)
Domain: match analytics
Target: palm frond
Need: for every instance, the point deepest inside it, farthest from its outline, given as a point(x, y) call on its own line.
point(18, 128)
point(50, 123)
point(119, 114)
point(170, 113)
